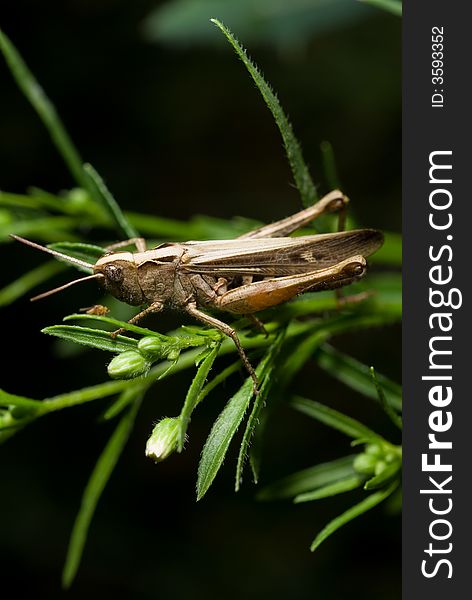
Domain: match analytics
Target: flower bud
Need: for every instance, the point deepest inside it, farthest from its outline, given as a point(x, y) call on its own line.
point(365, 463)
point(127, 365)
point(151, 346)
point(380, 466)
point(164, 439)
point(173, 354)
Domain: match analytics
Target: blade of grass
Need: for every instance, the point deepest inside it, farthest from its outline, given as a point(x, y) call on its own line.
point(45, 110)
point(93, 490)
point(29, 280)
point(7, 400)
point(224, 428)
point(353, 512)
point(251, 425)
point(392, 6)
point(329, 166)
point(333, 418)
point(193, 394)
point(394, 417)
point(384, 477)
point(309, 479)
point(109, 203)
point(300, 171)
point(332, 489)
point(94, 338)
point(357, 375)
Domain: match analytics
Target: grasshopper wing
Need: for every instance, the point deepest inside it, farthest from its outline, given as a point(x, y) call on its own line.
point(277, 257)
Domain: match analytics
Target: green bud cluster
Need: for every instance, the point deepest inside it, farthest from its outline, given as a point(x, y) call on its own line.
point(375, 459)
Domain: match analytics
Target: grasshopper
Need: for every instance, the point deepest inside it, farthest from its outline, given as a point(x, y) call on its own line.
point(242, 276)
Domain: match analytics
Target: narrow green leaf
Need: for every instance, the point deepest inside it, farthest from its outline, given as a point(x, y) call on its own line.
point(357, 375)
point(49, 201)
point(28, 281)
point(115, 323)
point(251, 425)
point(390, 471)
point(46, 228)
point(304, 352)
point(94, 338)
point(7, 399)
point(95, 486)
point(224, 429)
point(353, 512)
point(332, 489)
point(329, 166)
point(220, 378)
point(124, 399)
point(309, 479)
point(394, 417)
point(221, 435)
point(44, 108)
point(110, 204)
point(194, 392)
point(392, 6)
point(334, 419)
point(88, 252)
point(299, 168)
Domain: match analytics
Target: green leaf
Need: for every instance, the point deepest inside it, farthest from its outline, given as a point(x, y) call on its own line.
point(28, 281)
point(251, 425)
point(194, 393)
point(304, 351)
point(392, 6)
point(224, 429)
point(221, 435)
point(333, 418)
point(95, 486)
point(88, 252)
point(94, 338)
point(7, 399)
point(47, 228)
point(45, 110)
point(222, 376)
point(329, 166)
point(390, 471)
point(309, 479)
point(289, 26)
point(353, 512)
point(299, 168)
point(124, 399)
point(338, 487)
point(357, 375)
point(115, 323)
point(110, 204)
point(394, 417)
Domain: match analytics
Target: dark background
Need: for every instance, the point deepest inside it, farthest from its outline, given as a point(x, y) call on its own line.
point(177, 130)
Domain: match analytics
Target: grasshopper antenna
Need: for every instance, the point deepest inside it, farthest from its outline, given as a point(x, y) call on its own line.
point(65, 286)
point(70, 259)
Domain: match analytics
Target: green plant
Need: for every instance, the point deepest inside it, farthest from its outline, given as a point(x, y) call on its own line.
point(143, 357)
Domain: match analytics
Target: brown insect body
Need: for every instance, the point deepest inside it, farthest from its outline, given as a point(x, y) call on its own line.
point(258, 270)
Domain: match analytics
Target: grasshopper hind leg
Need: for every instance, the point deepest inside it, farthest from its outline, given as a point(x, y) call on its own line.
point(230, 332)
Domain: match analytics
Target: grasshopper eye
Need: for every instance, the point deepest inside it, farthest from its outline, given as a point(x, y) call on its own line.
point(114, 273)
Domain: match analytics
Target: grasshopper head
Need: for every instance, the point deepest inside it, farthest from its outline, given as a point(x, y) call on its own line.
point(120, 277)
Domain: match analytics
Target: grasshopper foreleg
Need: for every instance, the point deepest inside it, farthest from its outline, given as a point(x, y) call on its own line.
point(152, 308)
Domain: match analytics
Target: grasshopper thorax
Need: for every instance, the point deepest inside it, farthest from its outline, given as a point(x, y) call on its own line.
point(120, 278)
